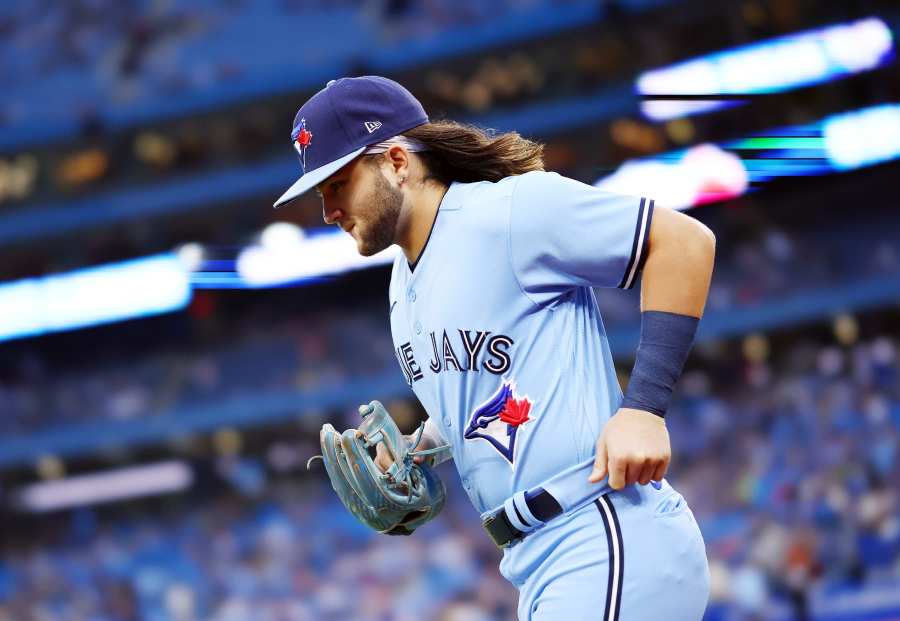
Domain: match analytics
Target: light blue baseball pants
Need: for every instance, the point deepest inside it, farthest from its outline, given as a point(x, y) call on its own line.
point(633, 555)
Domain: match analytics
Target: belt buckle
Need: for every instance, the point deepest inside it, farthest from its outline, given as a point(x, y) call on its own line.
point(507, 535)
point(488, 524)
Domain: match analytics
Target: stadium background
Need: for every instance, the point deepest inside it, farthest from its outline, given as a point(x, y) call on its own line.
point(171, 344)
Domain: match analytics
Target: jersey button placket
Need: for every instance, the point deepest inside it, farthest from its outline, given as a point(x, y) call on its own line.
point(411, 297)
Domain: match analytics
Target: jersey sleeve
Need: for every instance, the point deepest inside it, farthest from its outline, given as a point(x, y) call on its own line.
point(564, 234)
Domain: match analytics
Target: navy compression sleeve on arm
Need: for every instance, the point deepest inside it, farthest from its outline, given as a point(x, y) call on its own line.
point(666, 340)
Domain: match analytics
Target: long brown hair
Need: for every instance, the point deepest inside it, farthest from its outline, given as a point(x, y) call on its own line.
point(458, 152)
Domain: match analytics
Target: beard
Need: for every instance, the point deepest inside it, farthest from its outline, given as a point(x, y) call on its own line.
point(380, 229)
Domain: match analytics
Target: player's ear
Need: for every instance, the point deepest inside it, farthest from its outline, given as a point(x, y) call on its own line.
point(398, 159)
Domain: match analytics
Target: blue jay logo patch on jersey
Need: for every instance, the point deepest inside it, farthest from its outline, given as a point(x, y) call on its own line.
point(498, 419)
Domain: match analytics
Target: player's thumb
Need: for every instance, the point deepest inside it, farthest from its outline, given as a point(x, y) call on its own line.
point(382, 459)
point(600, 460)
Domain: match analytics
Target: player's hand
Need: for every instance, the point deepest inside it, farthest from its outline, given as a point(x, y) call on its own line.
point(633, 448)
point(383, 459)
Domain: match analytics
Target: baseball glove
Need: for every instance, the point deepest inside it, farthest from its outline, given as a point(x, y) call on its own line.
point(395, 502)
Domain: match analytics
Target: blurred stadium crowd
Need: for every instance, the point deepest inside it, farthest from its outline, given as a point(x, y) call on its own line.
point(311, 352)
point(806, 503)
point(129, 51)
point(594, 63)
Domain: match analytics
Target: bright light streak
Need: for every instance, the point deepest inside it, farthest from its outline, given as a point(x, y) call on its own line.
point(325, 254)
point(91, 296)
point(702, 174)
point(280, 235)
point(663, 109)
point(90, 489)
point(864, 137)
point(771, 66)
point(191, 256)
point(708, 173)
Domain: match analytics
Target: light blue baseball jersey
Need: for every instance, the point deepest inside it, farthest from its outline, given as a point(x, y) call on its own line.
point(497, 329)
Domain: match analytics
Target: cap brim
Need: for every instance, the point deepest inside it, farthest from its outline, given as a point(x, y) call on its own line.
point(315, 177)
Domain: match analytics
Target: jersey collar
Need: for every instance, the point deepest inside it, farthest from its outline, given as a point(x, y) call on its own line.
point(450, 202)
point(452, 198)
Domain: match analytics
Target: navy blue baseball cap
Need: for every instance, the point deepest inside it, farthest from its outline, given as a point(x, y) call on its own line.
point(341, 120)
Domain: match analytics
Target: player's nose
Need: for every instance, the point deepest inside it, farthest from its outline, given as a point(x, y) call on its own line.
point(331, 215)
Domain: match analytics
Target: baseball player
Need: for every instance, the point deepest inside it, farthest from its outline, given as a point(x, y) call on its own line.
point(497, 331)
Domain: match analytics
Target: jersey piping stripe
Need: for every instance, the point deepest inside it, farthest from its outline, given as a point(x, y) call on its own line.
point(639, 244)
point(642, 256)
point(634, 244)
point(616, 558)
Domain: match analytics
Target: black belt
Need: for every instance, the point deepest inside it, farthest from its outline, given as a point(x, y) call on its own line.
point(542, 505)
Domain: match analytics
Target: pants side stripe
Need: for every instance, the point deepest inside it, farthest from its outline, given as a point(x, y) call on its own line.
point(614, 541)
point(618, 529)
